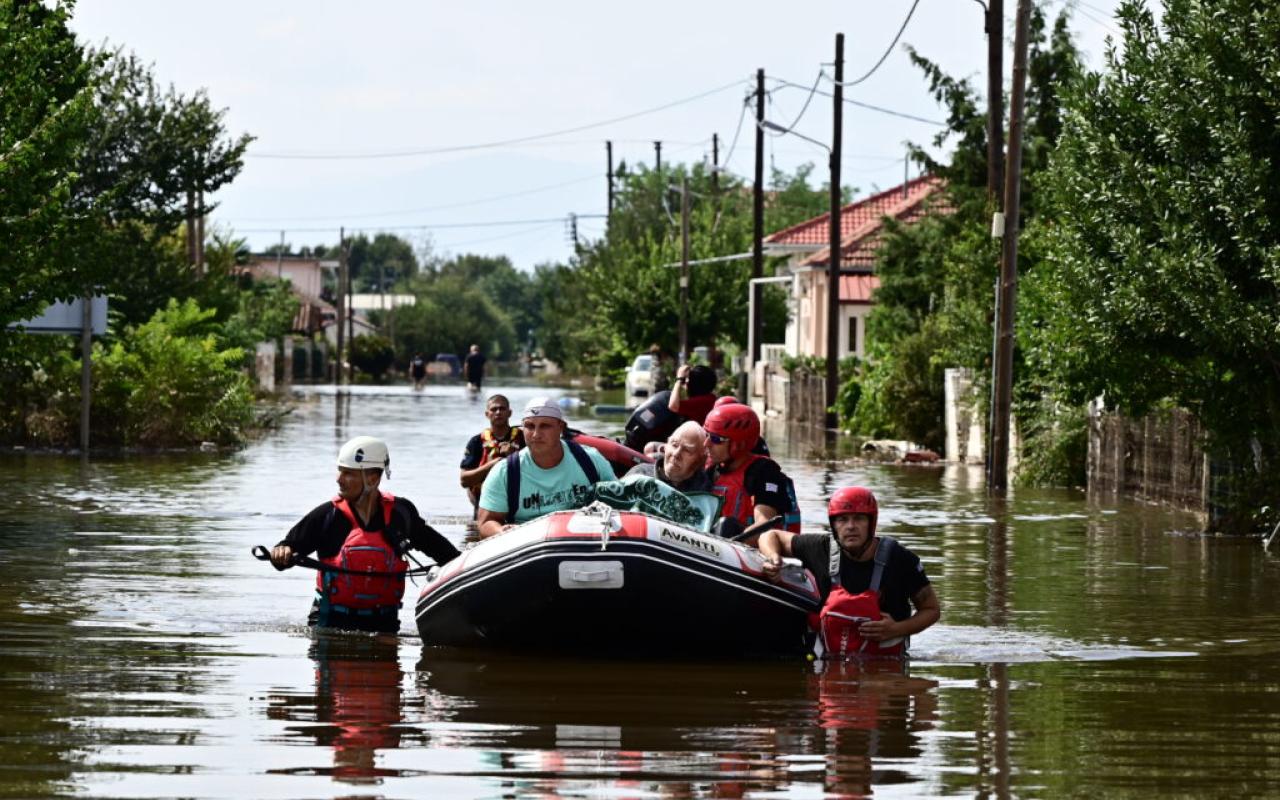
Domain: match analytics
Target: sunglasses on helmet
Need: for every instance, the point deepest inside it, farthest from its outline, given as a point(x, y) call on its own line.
point(716, 438)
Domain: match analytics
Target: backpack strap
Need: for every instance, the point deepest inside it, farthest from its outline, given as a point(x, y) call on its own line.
point(887, 543)
point(513, 486)
point(834, 567)
point(583, 460)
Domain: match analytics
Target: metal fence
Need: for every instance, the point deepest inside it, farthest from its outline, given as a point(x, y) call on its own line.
point(1159, 458)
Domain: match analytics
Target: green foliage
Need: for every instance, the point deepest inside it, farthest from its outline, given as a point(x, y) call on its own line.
point(372, 355)
point(1165, 242)
point(264, 313)
point(451, 315)
point(385, 257)
point(1055, 442)
point(619, 296)
point(934, 307)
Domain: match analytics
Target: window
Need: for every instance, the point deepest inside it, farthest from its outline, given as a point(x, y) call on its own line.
point(853, 335)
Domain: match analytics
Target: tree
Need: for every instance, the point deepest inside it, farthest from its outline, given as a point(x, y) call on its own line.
point(935, 303)
point(1164, 249)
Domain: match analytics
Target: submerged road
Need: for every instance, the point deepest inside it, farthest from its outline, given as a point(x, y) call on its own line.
point(1085, 649)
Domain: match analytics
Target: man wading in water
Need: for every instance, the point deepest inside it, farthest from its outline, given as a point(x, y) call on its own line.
point(366, 530)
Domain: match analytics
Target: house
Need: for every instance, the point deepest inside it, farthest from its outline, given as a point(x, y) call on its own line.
point(861, 232)
point(306, 277)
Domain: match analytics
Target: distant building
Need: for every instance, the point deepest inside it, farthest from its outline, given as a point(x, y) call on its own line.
point(306, 277)
point(861, 232)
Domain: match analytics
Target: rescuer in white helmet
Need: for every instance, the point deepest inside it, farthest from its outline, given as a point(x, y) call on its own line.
point(361, 538)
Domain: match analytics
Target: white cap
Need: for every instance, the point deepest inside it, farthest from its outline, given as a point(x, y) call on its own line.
point(542, 407)
point(365, 452)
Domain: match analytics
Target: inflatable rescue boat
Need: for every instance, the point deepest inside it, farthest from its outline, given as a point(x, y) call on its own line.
point(601, 580)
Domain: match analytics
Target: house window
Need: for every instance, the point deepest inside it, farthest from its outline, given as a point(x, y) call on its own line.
point(853, 336)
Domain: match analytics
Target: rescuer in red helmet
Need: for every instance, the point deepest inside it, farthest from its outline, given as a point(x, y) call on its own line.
point(753, 486)
point(869, 583)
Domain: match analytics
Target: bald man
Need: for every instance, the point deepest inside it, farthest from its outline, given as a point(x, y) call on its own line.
point(682, 461)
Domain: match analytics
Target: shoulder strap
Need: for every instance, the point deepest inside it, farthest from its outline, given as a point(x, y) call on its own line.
point(834, 568)
point(885, 548)
point(487, 436)
point(583, 460)
point(513, 486)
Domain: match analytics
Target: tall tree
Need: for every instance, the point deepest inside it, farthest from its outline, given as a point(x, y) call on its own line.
point(1163, 281)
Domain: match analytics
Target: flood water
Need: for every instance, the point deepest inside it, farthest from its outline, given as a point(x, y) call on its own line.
point(1084, 650)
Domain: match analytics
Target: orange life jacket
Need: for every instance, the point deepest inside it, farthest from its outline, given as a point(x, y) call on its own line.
point(364, 551)
point(489, 444)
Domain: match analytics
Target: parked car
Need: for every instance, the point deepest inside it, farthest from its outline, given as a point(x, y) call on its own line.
point(639, 380)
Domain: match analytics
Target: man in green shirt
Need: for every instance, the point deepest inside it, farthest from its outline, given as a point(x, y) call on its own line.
point(549, 474)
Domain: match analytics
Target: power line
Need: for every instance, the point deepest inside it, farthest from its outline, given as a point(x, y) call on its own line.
point(499, 143)
point(887, 50)
point(817, 80)
point(424, 226)
point(426, 209)
point(868, 106)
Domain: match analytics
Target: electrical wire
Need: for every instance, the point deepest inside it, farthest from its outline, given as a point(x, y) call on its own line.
point(424, 226)
point(523, 232)
point(887, 50)
point(493, 144)
point(804, 108)
point(426, 209)
point(868, 106)
point(746, 101)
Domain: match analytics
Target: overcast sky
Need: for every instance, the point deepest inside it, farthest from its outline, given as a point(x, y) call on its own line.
point(321, 78)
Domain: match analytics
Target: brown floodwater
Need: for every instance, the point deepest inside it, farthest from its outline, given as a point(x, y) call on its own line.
point(1085, 649)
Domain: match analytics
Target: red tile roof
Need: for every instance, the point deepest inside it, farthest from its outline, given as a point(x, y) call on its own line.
point(858, 288)
point(861, 225)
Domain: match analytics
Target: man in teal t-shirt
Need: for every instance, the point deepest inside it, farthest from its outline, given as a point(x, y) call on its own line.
point(550, 475)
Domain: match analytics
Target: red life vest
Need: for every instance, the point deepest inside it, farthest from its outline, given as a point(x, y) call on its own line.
point(738, 502)
point(489, 444)
point(364, 551)
point(843, 613)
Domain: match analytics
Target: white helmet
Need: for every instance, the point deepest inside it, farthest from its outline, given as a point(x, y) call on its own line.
point(365, 452)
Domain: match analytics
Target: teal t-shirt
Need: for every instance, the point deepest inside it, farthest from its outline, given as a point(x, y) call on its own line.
point(543, 490)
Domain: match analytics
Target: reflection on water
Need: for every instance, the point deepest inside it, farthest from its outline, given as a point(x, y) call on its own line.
point(1083, 650)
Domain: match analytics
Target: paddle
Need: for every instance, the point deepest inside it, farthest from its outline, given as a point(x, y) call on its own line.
point(263, 554)
point(756, 529)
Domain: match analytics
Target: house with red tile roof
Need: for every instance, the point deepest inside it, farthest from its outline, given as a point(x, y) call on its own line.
point(861, 233)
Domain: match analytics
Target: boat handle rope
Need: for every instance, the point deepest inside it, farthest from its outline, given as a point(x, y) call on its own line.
point(263, 554)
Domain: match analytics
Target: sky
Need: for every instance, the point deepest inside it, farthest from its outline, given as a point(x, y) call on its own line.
point(318, 82)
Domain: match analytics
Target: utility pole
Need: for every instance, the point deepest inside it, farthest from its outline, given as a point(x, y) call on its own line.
point(608, 149)
point(342, 303)
point(997, 480)
point(351, 309)
point(280, 258)
point(657, 156)
point(715, 164)
point(833, 264)
point(200, 232)
point(757, 234)
point(684, 270)
point(995, 98)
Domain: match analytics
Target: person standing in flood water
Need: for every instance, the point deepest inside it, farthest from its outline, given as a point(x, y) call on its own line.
point(362, 529)
point(489, 446)
point(473, 368)
point(868, 583)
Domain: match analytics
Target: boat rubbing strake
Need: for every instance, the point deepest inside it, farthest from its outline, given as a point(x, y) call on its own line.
point(602, 580)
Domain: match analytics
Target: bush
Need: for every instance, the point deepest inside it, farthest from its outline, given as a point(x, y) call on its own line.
point(372, 355)
point(165, 384)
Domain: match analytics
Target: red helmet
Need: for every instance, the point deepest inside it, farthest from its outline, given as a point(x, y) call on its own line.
point(735, 422)
point(854, 500)
point(727, 400)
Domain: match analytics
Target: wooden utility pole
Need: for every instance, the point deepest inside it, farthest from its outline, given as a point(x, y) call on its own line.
point(608, 149)
point(998, 479)
point(684, 270)
point(200, 232)
point(657, 156)
point(757, 230)
point(995, 99)
point(339, 373)
point(715, 163)
point(833, 263)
